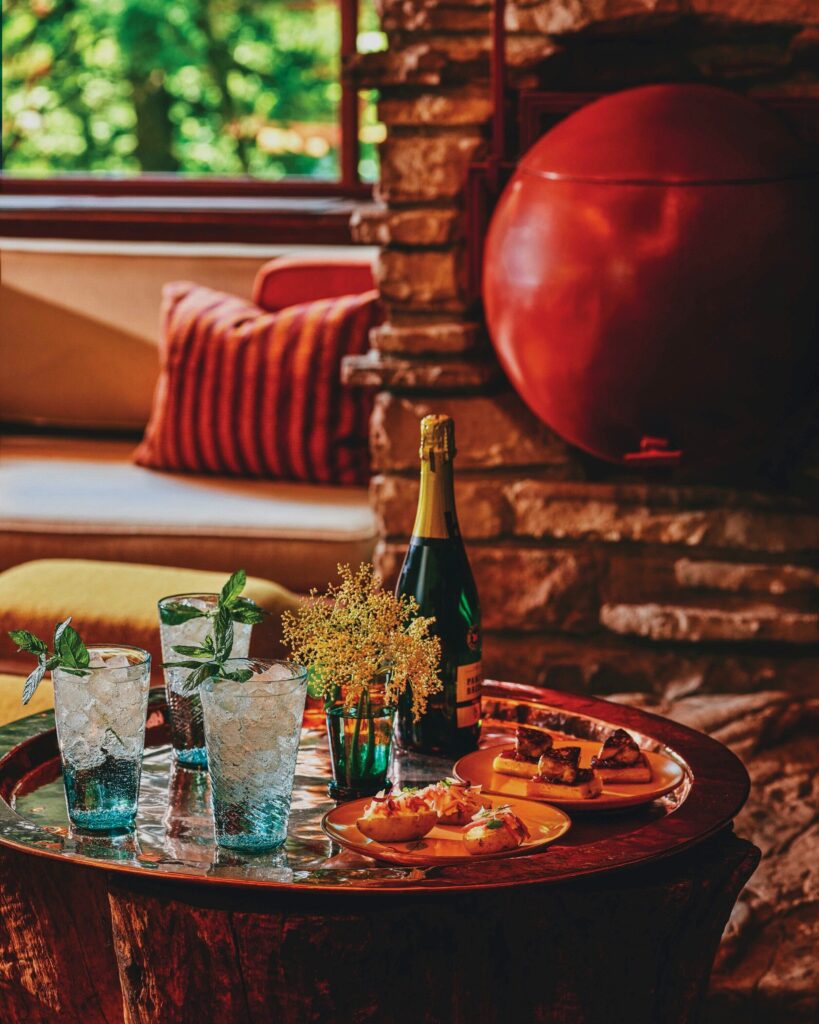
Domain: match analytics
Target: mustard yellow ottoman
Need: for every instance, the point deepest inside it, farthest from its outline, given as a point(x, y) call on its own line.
point(11, 698)
point(115, 602)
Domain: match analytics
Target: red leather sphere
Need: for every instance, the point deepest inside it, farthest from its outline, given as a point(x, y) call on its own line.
point(651, 271)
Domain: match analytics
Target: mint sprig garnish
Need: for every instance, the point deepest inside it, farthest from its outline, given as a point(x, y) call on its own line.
point(242, 609)
point(70, 654)
point(174, 613)
point(208, 659)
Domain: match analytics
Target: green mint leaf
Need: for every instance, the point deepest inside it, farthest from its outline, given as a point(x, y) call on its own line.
point(181, 664)
point(70, 654)
point(193, 652)
point(240, 675)
point(224, 644)
point(59, 629)
point(222, 635)
point(207, 646)
point(203, 671)
point(246, 611)
point(233, 588)
point(68, 646)
point(175, 613)
point(28, 642)
point(33, 681)
point(494, 823)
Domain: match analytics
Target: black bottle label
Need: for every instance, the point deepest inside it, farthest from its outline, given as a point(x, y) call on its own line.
point(468, 690)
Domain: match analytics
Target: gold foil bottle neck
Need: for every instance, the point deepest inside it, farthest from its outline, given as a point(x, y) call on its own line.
point(437, 438)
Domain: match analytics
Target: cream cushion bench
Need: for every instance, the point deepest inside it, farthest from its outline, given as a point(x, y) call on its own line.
point(84, 498)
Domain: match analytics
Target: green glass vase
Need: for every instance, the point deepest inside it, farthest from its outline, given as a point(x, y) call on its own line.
point(360, 746)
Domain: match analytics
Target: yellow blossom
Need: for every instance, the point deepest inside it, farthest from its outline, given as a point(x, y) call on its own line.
point(357, 633)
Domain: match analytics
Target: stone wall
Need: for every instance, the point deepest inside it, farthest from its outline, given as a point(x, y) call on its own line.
point(677, 591)
point(588, 578)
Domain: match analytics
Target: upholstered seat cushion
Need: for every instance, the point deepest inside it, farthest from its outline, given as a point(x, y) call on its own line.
point(11, 698)
point(85, 498)
point(115, 602)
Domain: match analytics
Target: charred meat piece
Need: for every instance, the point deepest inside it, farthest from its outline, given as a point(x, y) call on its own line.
point(560, 765)
point(531, 743)
point(621, 760)
point(618, 751)
point(522, 761)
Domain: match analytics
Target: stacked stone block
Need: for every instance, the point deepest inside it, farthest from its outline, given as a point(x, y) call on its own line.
point(695, 596)
point(589, 578)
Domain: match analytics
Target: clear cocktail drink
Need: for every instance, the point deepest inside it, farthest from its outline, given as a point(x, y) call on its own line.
point(252, 732)
point(187, 731)
point(100, 717)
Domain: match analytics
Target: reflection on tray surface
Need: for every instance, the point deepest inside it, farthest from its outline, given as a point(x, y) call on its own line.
point(175, 827)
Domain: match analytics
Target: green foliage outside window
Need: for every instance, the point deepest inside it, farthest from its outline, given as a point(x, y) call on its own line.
point(197, 87)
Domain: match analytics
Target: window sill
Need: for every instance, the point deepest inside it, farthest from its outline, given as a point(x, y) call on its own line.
point(264, 220)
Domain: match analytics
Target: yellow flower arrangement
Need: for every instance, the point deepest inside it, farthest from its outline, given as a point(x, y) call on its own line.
point(358, 633)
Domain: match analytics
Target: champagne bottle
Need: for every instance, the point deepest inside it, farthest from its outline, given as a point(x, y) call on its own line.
point(436, 573)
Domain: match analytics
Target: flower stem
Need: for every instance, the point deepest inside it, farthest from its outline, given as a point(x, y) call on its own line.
point(353, 754)
point(370, 754)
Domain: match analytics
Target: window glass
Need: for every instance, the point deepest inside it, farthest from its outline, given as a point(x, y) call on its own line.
point(370, 130)
point(191, 87)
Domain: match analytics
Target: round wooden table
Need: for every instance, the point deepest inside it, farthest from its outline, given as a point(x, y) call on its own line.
point(617, 921)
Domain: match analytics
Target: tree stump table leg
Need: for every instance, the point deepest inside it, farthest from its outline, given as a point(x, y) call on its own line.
point(635, 945)
point(56, 955)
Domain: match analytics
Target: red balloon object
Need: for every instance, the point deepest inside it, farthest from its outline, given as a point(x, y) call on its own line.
point(650, 275)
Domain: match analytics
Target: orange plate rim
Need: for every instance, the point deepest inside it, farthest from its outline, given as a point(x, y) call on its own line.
point(605, 802)
point(395, 855)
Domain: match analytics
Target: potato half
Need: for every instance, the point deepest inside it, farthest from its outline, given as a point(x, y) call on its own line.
point(398, 828)
point(481, 839)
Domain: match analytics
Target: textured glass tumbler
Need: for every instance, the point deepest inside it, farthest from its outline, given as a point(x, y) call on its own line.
point(252, 732)
point(187, 731)
point(100, 717)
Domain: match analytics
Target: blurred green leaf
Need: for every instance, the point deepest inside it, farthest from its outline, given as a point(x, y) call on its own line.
point(106, 86)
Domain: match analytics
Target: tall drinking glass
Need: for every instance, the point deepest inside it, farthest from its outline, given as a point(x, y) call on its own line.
point(187, 731)
point(252, 732)
point(100, 717)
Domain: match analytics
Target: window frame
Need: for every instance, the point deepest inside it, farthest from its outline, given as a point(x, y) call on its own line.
point(125, 207)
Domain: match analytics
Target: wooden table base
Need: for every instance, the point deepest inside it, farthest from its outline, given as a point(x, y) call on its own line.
point(84, 946)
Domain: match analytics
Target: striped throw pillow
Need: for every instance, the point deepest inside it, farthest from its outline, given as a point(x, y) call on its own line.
point(243, 392)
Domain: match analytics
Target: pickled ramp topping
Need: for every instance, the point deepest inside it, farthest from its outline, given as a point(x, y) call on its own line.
point(388, 805)
point(502, 817)
point(449, 796)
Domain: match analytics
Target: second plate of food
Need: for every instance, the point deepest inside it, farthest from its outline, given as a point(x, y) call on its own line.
point(445, 843)
point(477, 769)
